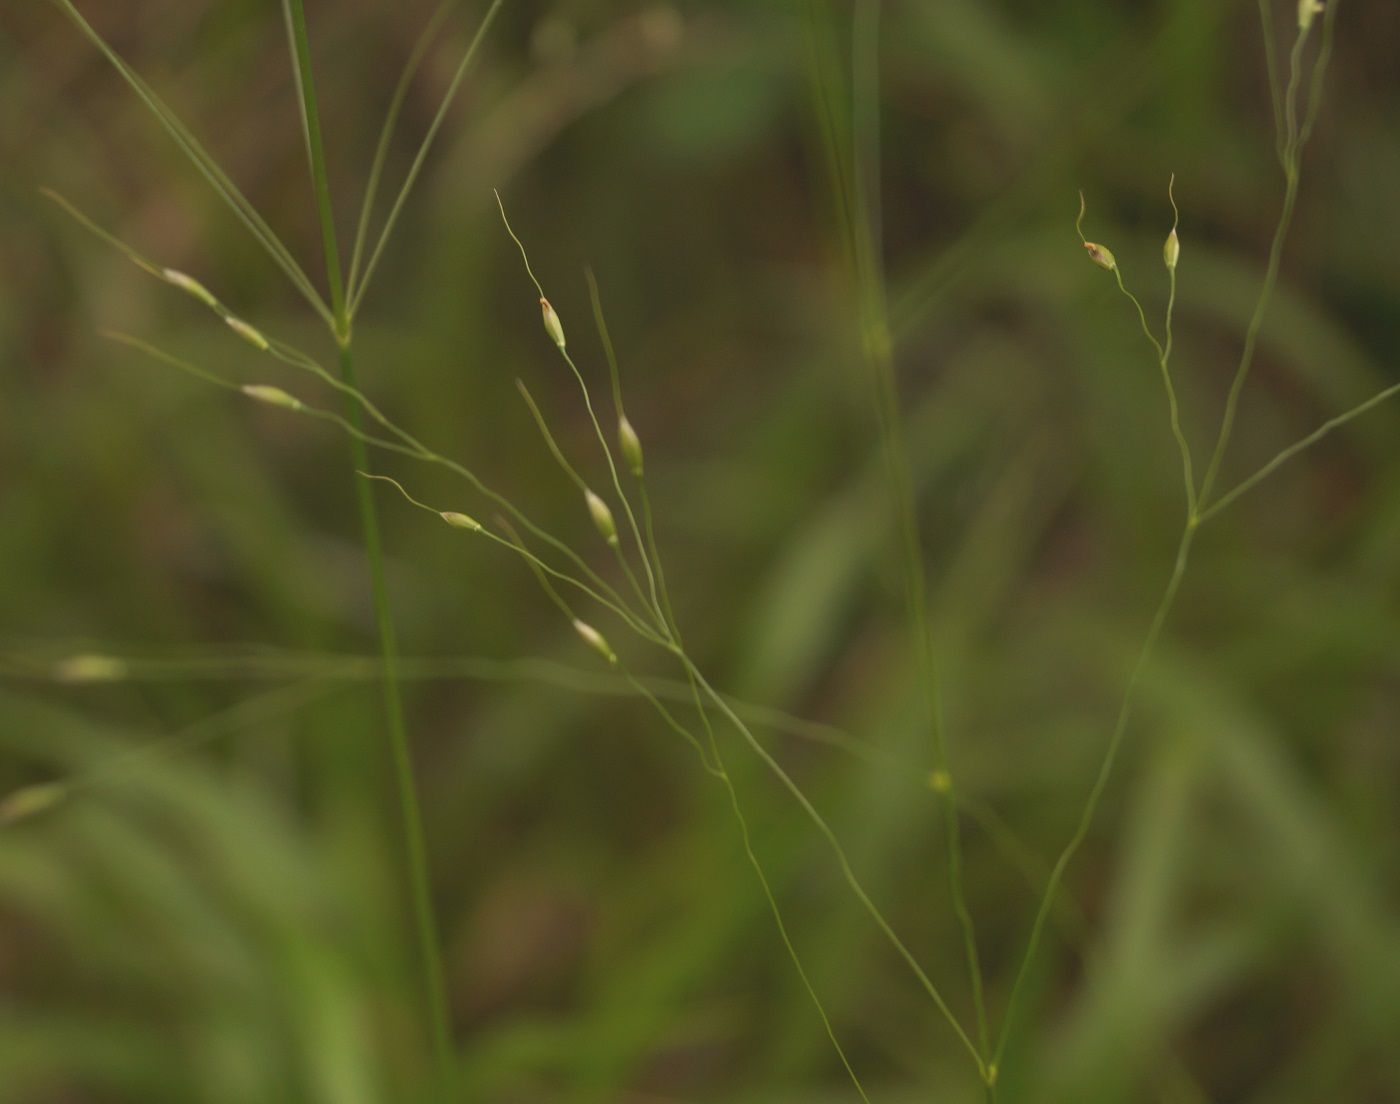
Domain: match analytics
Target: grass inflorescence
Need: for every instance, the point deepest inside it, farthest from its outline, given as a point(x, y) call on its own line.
point(622, 609)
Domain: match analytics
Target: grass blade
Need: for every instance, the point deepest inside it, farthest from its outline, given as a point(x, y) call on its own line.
point(219, 180)
point(421, 156)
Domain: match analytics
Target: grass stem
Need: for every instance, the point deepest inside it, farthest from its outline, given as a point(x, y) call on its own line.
point(415, 843)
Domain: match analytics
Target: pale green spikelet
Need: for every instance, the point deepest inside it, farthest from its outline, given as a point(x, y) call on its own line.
point(552, 325)
point(460, 521)
point(1307, 10)
point(1101, 255)
point(248, 333)
point(630, 445)
point(190, 286)
point(90, 668)
point(273, 396)
point(1171, 250)
point(602, 517)
point(31, 801)
point(595, 640)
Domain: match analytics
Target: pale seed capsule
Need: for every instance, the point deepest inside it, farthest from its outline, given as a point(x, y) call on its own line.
point(273, 396)
point(90, 668)
point(190, 286)
point(1101, 255)
point(30, 801)
point(247, 333)
point(552, 325)
point(940, 782)
point(595, 640)
point(630, 444)
point(1307, 9)
point(1171, 251)
point(460, 521)
point(602, 517)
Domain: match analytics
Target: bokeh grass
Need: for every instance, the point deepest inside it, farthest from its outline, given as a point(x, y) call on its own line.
point(225, 922)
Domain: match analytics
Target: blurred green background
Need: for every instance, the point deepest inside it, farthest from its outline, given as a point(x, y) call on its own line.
point(223, 919)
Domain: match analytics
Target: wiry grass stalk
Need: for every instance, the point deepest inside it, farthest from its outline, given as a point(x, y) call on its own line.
point(386, 133)
point(407, 444)
point(361, 286)
point(618, 489)
point(769, 895)
point(713, 763)
point(582, 484)
point(853, 165)
point(1292, 151)
point(1286, 454)
point(651, 551)
point(207, 167)
point(1096, 791)
point(419, 878)
point(1294, 139)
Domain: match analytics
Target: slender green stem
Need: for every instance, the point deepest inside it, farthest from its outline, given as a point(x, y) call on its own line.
point(650, 551)
point(654, 551)
point(415, 842)
point(582, 485)
point(518, 547)
point(407, 445)
point(1298, 446)
point(386, 134)
point(617, 486)
point(315, 152)
point(190, 146)
point(1292, 146)
point(410, 812)
point(722, 773)
point(855, 184)
point(655, 600)
point(848, 873)
point(1292, 150)
point(1164, 353)
point(714, 765)
point(396, 208)
point(1096, 792)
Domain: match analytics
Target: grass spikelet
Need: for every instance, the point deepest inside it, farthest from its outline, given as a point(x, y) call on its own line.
point(459, 520)
point(630, 445)
point(250, 334)
point(595, 640)
point(90, 668)
point(602, 516)
point(190, 286)
point(552, 325)
point(273, 396)
point(31, 801)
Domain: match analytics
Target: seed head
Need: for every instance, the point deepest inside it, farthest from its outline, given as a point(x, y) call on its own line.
point(1307, 9)
point(190, 286)
point(273, 396)
point(1171, 250)
point(940, 782)
point(630, 444)
point(552, 325)
point(460, 521)
point(247, 333)
point(90, 668)
point(1101, 255)
point(595, 640)
point(602, 517)
point(30, 801)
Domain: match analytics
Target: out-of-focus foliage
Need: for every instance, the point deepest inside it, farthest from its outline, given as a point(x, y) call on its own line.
point(224, 920)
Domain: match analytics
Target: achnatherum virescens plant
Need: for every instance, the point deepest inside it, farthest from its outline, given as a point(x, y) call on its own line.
point(346, 288)
point(845, 97)
point(620, 510)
